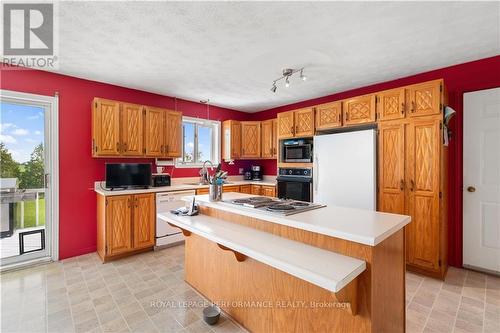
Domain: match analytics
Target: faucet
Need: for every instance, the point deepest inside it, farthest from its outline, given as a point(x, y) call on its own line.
point(204, 172)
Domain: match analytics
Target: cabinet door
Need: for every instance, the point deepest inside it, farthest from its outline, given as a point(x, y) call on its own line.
point(256, 189)
point(269, 191)
point(118, 224)
point(275, 138)
point(231, 140)
point(227, 189)
point(154, 138)
point(203, 190)
point(391, 104)
point(425, 99)
point(132, 130)
point(328, 115)
point(286, 125)
point(267, 139)
point(236, 139)
point(304, 122)
point(423, 149)
point(391, 168)
point(144, 220)
point(105, 128)
point(173, 134)
point(246, 189)
point(359, 110)
point(250, 139)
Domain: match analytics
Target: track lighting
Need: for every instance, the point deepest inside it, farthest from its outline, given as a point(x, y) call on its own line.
point(287, 73)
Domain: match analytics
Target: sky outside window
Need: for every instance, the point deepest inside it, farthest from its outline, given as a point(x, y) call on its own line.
point(21, 129)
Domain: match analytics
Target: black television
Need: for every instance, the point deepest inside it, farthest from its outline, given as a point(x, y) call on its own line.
point(128, 175)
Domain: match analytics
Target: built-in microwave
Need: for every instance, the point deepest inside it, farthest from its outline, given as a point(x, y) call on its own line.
point(297, 150)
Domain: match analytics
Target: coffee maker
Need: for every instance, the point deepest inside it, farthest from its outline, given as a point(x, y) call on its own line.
point(256, 172)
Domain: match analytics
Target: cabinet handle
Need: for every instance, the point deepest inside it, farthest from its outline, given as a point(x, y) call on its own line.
point(339, 117)
point(125, 147)
point(412, 107)
point(291, 130)
point(347, 116)
point(402, 185)
point(402, 108)
point(118, 146)
point(136, 202)
point(412, 185)
point(296, 128)
point(128, 202)
point(161, 149)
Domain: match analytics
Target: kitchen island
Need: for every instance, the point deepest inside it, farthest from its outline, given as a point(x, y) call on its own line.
point(331, 269)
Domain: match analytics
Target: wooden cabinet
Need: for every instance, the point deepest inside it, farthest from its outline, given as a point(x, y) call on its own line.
point(269, 139)
point(359, 110)
point(231, 140)
point(297, 123)
point(391, 169)
point(328, 115)
point(250, 139)
point(391, 104)
point(131, 130)
point(105, 128)
point(202, 191)
point(423, 179)
point(246, 189)
point(132, 133)
point(230, 188)
point(154, 139)
point(125, 224)
point(255, 189)
point(275, 138)
point(425, 99)
point(268, 191)
point(173, 134)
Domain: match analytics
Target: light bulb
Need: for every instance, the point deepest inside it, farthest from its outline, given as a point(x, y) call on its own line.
point(304, 77)
point(287, 83)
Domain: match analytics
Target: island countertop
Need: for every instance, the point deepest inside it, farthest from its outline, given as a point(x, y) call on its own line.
point(355, 225)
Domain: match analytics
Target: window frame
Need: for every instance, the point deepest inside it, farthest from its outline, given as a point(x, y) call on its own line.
point(215, 125)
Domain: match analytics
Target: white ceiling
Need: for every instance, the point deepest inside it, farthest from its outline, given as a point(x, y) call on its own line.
point(230, 52)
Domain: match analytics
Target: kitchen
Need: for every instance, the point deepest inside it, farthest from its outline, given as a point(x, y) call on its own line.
point(322, 189)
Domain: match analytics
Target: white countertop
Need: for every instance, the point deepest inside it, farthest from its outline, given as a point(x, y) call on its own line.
point(355, 225)
point(323, 268)
point(180, 184)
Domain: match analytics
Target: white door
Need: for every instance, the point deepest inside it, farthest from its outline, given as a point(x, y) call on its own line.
point(481, 193)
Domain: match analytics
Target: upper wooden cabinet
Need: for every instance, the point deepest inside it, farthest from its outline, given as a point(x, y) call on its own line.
point(155, 124)
point(425, 99)
point(105, 128)
point(359, 110)
point(131, 130)
point(231, 140)
point(132, 137)
point(250, 139)
point(275, 138)
point(391, 104)
point(328, 115)
point(269, 140)
point(173, 134)
point(297, 123)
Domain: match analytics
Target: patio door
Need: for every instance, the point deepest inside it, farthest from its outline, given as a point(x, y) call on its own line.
point(28, 182)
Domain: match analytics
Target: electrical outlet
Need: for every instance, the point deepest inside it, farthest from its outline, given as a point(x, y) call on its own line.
point(240, 171)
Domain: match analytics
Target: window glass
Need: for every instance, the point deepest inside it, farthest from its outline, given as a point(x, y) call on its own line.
point(204, 143)
point(189, 143)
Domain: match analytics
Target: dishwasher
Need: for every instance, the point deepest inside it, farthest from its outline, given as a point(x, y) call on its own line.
point(166, 235)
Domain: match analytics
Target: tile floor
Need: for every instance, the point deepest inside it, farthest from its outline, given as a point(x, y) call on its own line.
point(83, 295)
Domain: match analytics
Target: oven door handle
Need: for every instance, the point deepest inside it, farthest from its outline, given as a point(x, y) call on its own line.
point(298, 179)
point(316, 174)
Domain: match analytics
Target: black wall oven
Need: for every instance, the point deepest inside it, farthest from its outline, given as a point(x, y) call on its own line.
point(295, 183)
point(297, 151)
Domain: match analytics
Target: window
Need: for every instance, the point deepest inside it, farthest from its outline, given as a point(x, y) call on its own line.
point(200, 142)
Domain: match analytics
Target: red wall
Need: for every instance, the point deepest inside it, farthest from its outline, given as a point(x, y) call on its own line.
point(471, 76)
point(77, 169)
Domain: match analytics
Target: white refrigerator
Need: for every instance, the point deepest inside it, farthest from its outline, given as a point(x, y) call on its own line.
point(344, 169)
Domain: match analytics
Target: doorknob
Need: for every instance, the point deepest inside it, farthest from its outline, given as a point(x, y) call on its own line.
point(471, 189)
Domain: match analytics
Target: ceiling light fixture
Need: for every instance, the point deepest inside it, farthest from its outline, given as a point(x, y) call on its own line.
point(287, 73)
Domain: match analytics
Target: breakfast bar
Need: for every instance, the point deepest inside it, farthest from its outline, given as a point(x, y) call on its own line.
point(324, 269)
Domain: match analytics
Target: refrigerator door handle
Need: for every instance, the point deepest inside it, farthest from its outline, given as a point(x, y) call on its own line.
point(316, 174)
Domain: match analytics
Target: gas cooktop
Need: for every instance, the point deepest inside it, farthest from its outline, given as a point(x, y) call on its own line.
point(274, 206)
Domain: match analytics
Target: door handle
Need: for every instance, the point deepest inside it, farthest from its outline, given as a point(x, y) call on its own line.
point(316, 175)
point(471, 189)
point(402, 185)
point(46, 180)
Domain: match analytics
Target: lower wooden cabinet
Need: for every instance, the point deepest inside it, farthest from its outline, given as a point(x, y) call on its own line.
point(246, 189)
point(125, 224)
point(202, 191)
point(268, 191)
point(255, 189)
point(227, 189)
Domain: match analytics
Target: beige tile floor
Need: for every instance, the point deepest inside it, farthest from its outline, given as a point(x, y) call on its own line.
point(83, 295)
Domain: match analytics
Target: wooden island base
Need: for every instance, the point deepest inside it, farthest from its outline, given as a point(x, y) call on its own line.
point(264, 299)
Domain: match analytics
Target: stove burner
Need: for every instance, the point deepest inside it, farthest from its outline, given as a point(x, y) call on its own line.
point(299, 204)
point(251, 200)
point(280, 208)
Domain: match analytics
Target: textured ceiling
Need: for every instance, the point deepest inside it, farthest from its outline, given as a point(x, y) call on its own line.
point(230, 52)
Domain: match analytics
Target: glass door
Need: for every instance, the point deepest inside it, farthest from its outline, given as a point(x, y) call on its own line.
point(25, 188)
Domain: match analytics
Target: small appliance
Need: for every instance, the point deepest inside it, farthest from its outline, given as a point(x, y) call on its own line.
point(297, 151)
point(247, 175)
point(256, 172)
point(295, 184)
point(128, 175)
point(161, 180)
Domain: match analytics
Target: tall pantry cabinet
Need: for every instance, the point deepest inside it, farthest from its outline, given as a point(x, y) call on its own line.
point(412, 171)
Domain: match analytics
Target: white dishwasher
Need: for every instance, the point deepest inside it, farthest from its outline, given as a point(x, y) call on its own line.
point(166, 235)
